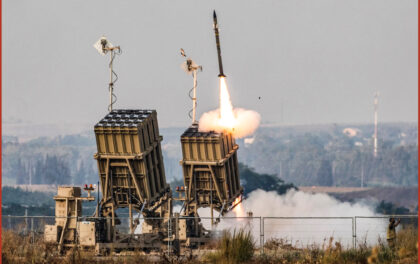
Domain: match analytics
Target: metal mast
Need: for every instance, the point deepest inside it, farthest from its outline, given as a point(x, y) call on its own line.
point(375, 134)
point(103, 46)
point(191, 68)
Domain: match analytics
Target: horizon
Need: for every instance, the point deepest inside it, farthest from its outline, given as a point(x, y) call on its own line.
point(22, 132)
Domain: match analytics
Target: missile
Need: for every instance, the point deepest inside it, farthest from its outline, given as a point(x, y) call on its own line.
point(219, 54)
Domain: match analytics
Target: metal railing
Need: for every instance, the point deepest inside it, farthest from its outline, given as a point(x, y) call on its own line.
point(298, 232)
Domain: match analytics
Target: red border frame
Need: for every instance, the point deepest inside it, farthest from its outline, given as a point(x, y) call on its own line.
point(418, 113)
point(1, 123)
point(1, 89)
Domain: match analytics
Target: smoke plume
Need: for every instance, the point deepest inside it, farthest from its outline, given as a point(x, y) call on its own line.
point(296, 203)
point(240, 122)
point(301, 219)
point(247, 121)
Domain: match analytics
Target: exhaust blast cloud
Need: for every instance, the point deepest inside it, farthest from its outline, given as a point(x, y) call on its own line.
point(298, 203)
point(302, 232)
point(238, 121)
point(303, 219)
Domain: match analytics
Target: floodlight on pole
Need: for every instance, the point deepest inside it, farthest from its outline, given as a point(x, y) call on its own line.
point(103, 46)
point(190, 67)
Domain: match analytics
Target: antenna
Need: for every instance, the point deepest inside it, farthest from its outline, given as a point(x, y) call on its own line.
point(103, 46)
point(375, 134)
point(190, 67)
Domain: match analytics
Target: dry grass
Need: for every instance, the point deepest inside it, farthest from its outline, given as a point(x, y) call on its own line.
point(236, 247)
point(21, 249)
point(332, 252)
point(233, 248)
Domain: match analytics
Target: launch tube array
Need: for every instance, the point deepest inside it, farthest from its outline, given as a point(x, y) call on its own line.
point(130, 156)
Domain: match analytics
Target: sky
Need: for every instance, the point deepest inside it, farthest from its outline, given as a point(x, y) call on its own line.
point(294, 62)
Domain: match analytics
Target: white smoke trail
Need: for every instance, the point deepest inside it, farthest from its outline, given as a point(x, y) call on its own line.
point(304, 231)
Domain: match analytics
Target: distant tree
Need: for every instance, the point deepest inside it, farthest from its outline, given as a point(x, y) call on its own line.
point(85, 173)
point(252, 181)
point(80, 176)
point(295, 154)
point(388, 208)
point(21, 172)
point(18, 209)
point(324, 175)
point(39, 172)
point(63, 175)
point(91, 174)
point(23, 197)
point(52, 170)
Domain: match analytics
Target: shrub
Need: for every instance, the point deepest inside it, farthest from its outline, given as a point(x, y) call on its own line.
point(233, 248)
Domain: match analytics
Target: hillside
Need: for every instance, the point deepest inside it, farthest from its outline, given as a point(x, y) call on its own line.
point(328, 155)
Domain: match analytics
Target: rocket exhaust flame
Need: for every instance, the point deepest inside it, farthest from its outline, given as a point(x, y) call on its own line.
point(227, 118)
point(240, 122)
point(237, 121)
point(237, 207)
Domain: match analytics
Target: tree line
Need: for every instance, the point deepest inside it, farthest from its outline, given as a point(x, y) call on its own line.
point(305, 157)
point(330, 158)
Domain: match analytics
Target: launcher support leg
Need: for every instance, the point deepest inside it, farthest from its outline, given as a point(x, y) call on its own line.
point(130, 213)
point(211, 215)
point(113, 222)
